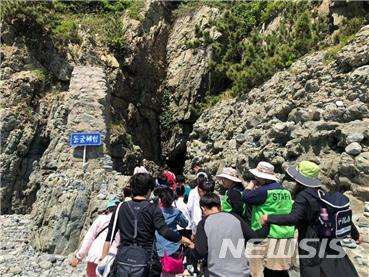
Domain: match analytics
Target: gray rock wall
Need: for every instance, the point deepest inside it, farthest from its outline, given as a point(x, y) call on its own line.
point(317, 110)
point(186, 82)
point(66, 195)
point(23, 137)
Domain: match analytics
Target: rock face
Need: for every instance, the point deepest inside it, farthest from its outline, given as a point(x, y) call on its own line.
point(23, 138)
point(185, 84)
point(41, 173)
point(314, 110)
point(65, 194)
point(143, 102)
point(134, 97)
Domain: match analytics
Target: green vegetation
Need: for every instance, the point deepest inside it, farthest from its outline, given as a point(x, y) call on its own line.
point(344, 35)
point(40, 74)
point(190, 6)
point(246, 53)
point(167, 121)
point(117, 129)
point(66, 31)
point(62, 19)
point(43, 76)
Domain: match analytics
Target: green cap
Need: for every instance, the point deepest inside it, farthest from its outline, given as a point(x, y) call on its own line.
point(306, 173)
point(309, 169)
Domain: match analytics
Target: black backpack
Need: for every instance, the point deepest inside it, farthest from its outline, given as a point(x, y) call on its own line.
point(339, 213)
point(132, 260)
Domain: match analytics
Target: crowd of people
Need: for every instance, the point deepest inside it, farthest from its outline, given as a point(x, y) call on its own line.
point(165, 226)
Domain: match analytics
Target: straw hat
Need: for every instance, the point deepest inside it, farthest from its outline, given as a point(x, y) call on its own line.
point(264, 170)
point(230, 174)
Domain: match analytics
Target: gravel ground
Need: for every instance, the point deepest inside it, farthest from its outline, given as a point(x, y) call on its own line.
point(18, 258)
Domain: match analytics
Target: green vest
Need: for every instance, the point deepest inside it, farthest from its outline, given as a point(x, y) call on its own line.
point(278, 201)
point(226, 206)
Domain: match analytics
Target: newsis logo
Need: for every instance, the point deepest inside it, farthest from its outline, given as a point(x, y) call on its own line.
point(283, 248)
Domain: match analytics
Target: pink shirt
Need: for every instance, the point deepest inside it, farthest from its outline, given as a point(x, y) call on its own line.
point(91, 246)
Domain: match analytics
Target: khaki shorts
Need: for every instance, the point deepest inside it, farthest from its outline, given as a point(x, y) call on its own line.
point(275, 254)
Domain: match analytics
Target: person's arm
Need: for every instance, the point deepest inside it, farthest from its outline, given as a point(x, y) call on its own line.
point(235, 200)
point(182, 220)
point(106, 246)
point(297, 214)
point(201, 242)
point(162, 227)
point(87, 241)
point(248, 233)
point(255, 197)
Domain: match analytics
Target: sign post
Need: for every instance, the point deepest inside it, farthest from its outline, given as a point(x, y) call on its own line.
point(85, 139)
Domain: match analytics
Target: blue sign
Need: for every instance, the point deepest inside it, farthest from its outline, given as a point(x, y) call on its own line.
point(85, 139)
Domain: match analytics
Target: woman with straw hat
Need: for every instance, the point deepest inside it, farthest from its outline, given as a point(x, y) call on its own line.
point(232, 200)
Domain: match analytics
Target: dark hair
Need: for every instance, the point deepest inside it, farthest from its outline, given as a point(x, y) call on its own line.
point(180, 179)
point(141, 183)
point(162, 179)
point(205, 183)
point(180, 190)
point(127, 191)
point(210, 200)
point(166, 197)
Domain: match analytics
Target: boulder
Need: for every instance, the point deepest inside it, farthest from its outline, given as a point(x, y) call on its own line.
point(353, 148)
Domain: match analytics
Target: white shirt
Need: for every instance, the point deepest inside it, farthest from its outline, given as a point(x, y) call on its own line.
point(182, 206)
point(194, 209)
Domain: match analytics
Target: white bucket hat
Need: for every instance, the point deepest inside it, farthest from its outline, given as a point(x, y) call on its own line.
point(230, 174)
point(264, 170)
point(140, 169)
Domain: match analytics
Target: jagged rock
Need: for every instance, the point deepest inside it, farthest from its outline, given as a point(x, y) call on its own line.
point(311, 86)
point(353, 148)
point(362, 162)
point(355, 137)
point(355, 54)
point(186, 80)
point(284, 131)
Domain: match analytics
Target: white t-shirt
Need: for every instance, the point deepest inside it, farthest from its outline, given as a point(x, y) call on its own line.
point(194, 209)
point(182, 206)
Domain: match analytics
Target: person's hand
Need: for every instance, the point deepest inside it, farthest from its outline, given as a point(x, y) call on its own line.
point(251, 185)
point(263, 219)
point(186, 241)
point(361, 238)
point(74, 262)
point(191, 246)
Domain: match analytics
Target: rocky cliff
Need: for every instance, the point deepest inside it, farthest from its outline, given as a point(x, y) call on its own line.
point(318, 109)
point(144, 100)
point(89, 89)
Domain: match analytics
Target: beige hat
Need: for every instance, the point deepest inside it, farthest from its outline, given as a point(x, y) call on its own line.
point(140, 169)
point(230, 174)
point(264, 170)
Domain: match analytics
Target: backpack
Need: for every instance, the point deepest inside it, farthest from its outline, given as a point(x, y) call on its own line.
point(335, 218)
point(132, 260)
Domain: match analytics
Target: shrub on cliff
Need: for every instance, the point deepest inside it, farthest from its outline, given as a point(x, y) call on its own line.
point(257, 38)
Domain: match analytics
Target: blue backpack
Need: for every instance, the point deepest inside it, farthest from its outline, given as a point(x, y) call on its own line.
point(335, 219)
